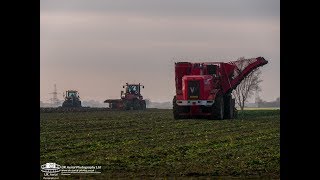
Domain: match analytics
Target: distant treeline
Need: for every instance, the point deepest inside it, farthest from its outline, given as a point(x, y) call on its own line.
point(85, 103)
point(165, 105)
point(158, 105)
point(264, 104)
point(261, 103)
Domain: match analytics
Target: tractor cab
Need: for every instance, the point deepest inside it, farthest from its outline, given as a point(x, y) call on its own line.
point(72, 94)
point(132, 90)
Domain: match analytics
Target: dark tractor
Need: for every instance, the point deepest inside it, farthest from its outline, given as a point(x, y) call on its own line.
point(71, 99)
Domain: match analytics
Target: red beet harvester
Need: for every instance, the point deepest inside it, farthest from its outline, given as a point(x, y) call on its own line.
point(204, 89)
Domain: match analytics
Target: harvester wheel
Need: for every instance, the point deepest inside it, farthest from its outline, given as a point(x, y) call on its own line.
point(218, 109)
point(175, 109)
point(228, 106)
point(235, 112)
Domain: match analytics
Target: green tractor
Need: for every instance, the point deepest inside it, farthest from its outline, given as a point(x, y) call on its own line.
point(71, 99)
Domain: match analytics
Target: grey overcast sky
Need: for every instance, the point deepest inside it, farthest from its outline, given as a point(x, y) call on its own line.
point(96, 46)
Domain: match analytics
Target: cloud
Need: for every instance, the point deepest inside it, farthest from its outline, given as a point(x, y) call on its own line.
point(96, 46)
point(169, 8)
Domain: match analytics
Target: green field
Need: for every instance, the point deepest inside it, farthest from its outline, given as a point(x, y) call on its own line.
point(151, 144)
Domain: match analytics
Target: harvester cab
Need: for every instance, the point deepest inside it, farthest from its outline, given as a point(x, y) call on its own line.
point(71, 99)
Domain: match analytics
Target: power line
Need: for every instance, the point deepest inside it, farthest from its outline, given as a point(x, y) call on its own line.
point(54, 100)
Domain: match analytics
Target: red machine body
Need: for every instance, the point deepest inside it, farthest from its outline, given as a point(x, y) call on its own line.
point(131, 98)
point(204, 88)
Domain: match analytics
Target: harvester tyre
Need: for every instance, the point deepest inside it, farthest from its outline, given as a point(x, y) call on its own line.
point(235, 112)
point(175, 109)
point(217, 109)
point(228, 106)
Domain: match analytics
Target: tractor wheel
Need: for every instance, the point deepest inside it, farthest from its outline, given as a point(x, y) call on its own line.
point(175, 109)
point(143, 105)
point(78, 103)
point(136, 104)
point(217, 109)
point(127, 105)
point(66, 104)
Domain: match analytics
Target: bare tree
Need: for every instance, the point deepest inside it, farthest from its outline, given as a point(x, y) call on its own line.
point(247, 87)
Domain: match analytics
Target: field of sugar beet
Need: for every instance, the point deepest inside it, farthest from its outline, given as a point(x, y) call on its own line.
point(151, 144)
